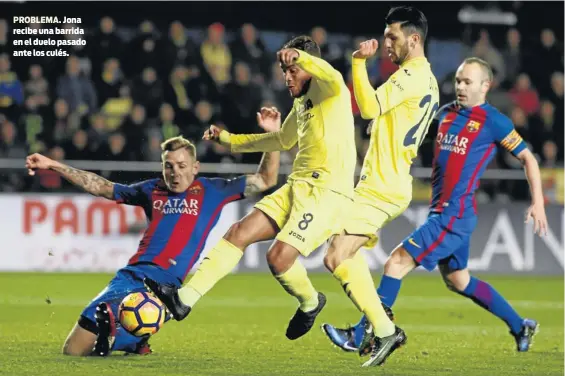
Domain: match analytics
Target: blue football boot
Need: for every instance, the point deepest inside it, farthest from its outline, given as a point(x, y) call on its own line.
point(524, 339)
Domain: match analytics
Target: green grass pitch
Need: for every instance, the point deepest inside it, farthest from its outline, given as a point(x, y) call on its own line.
point(238, 329)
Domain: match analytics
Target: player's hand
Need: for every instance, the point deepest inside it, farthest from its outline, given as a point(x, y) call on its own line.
point(269, 119)
point(37, 162)
point(212, 133)
point(366, 49)
point(287, 56)
point(537, 213)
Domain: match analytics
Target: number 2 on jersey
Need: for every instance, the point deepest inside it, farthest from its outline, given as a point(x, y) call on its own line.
point(410, 138)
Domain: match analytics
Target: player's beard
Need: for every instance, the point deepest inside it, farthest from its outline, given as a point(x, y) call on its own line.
point(403, 54)
point(305, 88)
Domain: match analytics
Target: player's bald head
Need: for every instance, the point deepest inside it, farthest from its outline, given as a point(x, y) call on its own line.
point(484, 69)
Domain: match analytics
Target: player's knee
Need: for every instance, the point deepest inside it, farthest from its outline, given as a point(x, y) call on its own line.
point(275, 258)
point(79, 342)
point(450, 285)
point(71, 350)
point(456, 284)
point(281, 258)
point(237, 236)
point(66, 350)
point(331, 258)
point(455, 281)
point(398, 263)
point(332, 261)
point(393, 261)
point(341, 248)
point(390, 266)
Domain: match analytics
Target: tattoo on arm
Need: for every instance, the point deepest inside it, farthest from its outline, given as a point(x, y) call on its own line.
point(90, 182)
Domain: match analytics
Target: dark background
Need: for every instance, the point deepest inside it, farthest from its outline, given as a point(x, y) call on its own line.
point(234, 102)
point(357, 17)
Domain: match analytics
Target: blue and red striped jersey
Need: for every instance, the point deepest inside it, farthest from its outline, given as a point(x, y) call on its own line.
point(179, 223)
point(465, 144)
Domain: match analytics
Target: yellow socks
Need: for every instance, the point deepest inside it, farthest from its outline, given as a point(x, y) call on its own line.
point(355, 277)
point(296, 282)
point(218, 263)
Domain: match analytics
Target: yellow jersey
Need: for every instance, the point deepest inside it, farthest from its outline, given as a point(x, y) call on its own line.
point(402, 110)
point(321, 122)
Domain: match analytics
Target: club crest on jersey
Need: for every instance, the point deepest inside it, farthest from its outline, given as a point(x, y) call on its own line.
point(473, 126)
point(194, 190)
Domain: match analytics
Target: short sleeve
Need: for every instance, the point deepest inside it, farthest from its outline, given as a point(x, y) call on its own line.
point(232, 189)
point(505, 134)
point(136, 194)
point(394, 91)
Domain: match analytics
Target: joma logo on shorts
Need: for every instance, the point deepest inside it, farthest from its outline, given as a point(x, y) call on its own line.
point(297, 236)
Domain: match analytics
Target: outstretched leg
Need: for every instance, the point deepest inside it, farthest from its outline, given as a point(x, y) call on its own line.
point(219, 262)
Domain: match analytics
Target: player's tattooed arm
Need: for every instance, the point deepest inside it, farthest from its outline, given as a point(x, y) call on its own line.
point(94, 184)
point(91, 183)
point(266, 176)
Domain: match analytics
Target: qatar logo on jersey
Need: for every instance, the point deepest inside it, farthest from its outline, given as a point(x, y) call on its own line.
point(177, 206)
point(452, 143)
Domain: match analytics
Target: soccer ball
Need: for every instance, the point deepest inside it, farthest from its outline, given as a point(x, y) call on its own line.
point(141, 313)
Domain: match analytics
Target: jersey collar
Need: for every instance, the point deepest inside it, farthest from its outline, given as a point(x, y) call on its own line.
point(414, 61)
point(470, 109)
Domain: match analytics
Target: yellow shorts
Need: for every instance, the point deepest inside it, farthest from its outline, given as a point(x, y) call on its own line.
point(306, 215)
point(369, 214)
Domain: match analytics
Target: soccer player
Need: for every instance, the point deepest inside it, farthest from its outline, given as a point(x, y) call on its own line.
point(306, 211)
point(401, 109)
point(469, 129)
point(181, 210)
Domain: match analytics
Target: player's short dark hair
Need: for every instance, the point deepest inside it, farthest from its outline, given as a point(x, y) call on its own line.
point(411, 20)
point(304, 43)
point(179, 142)
point(483, 64)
